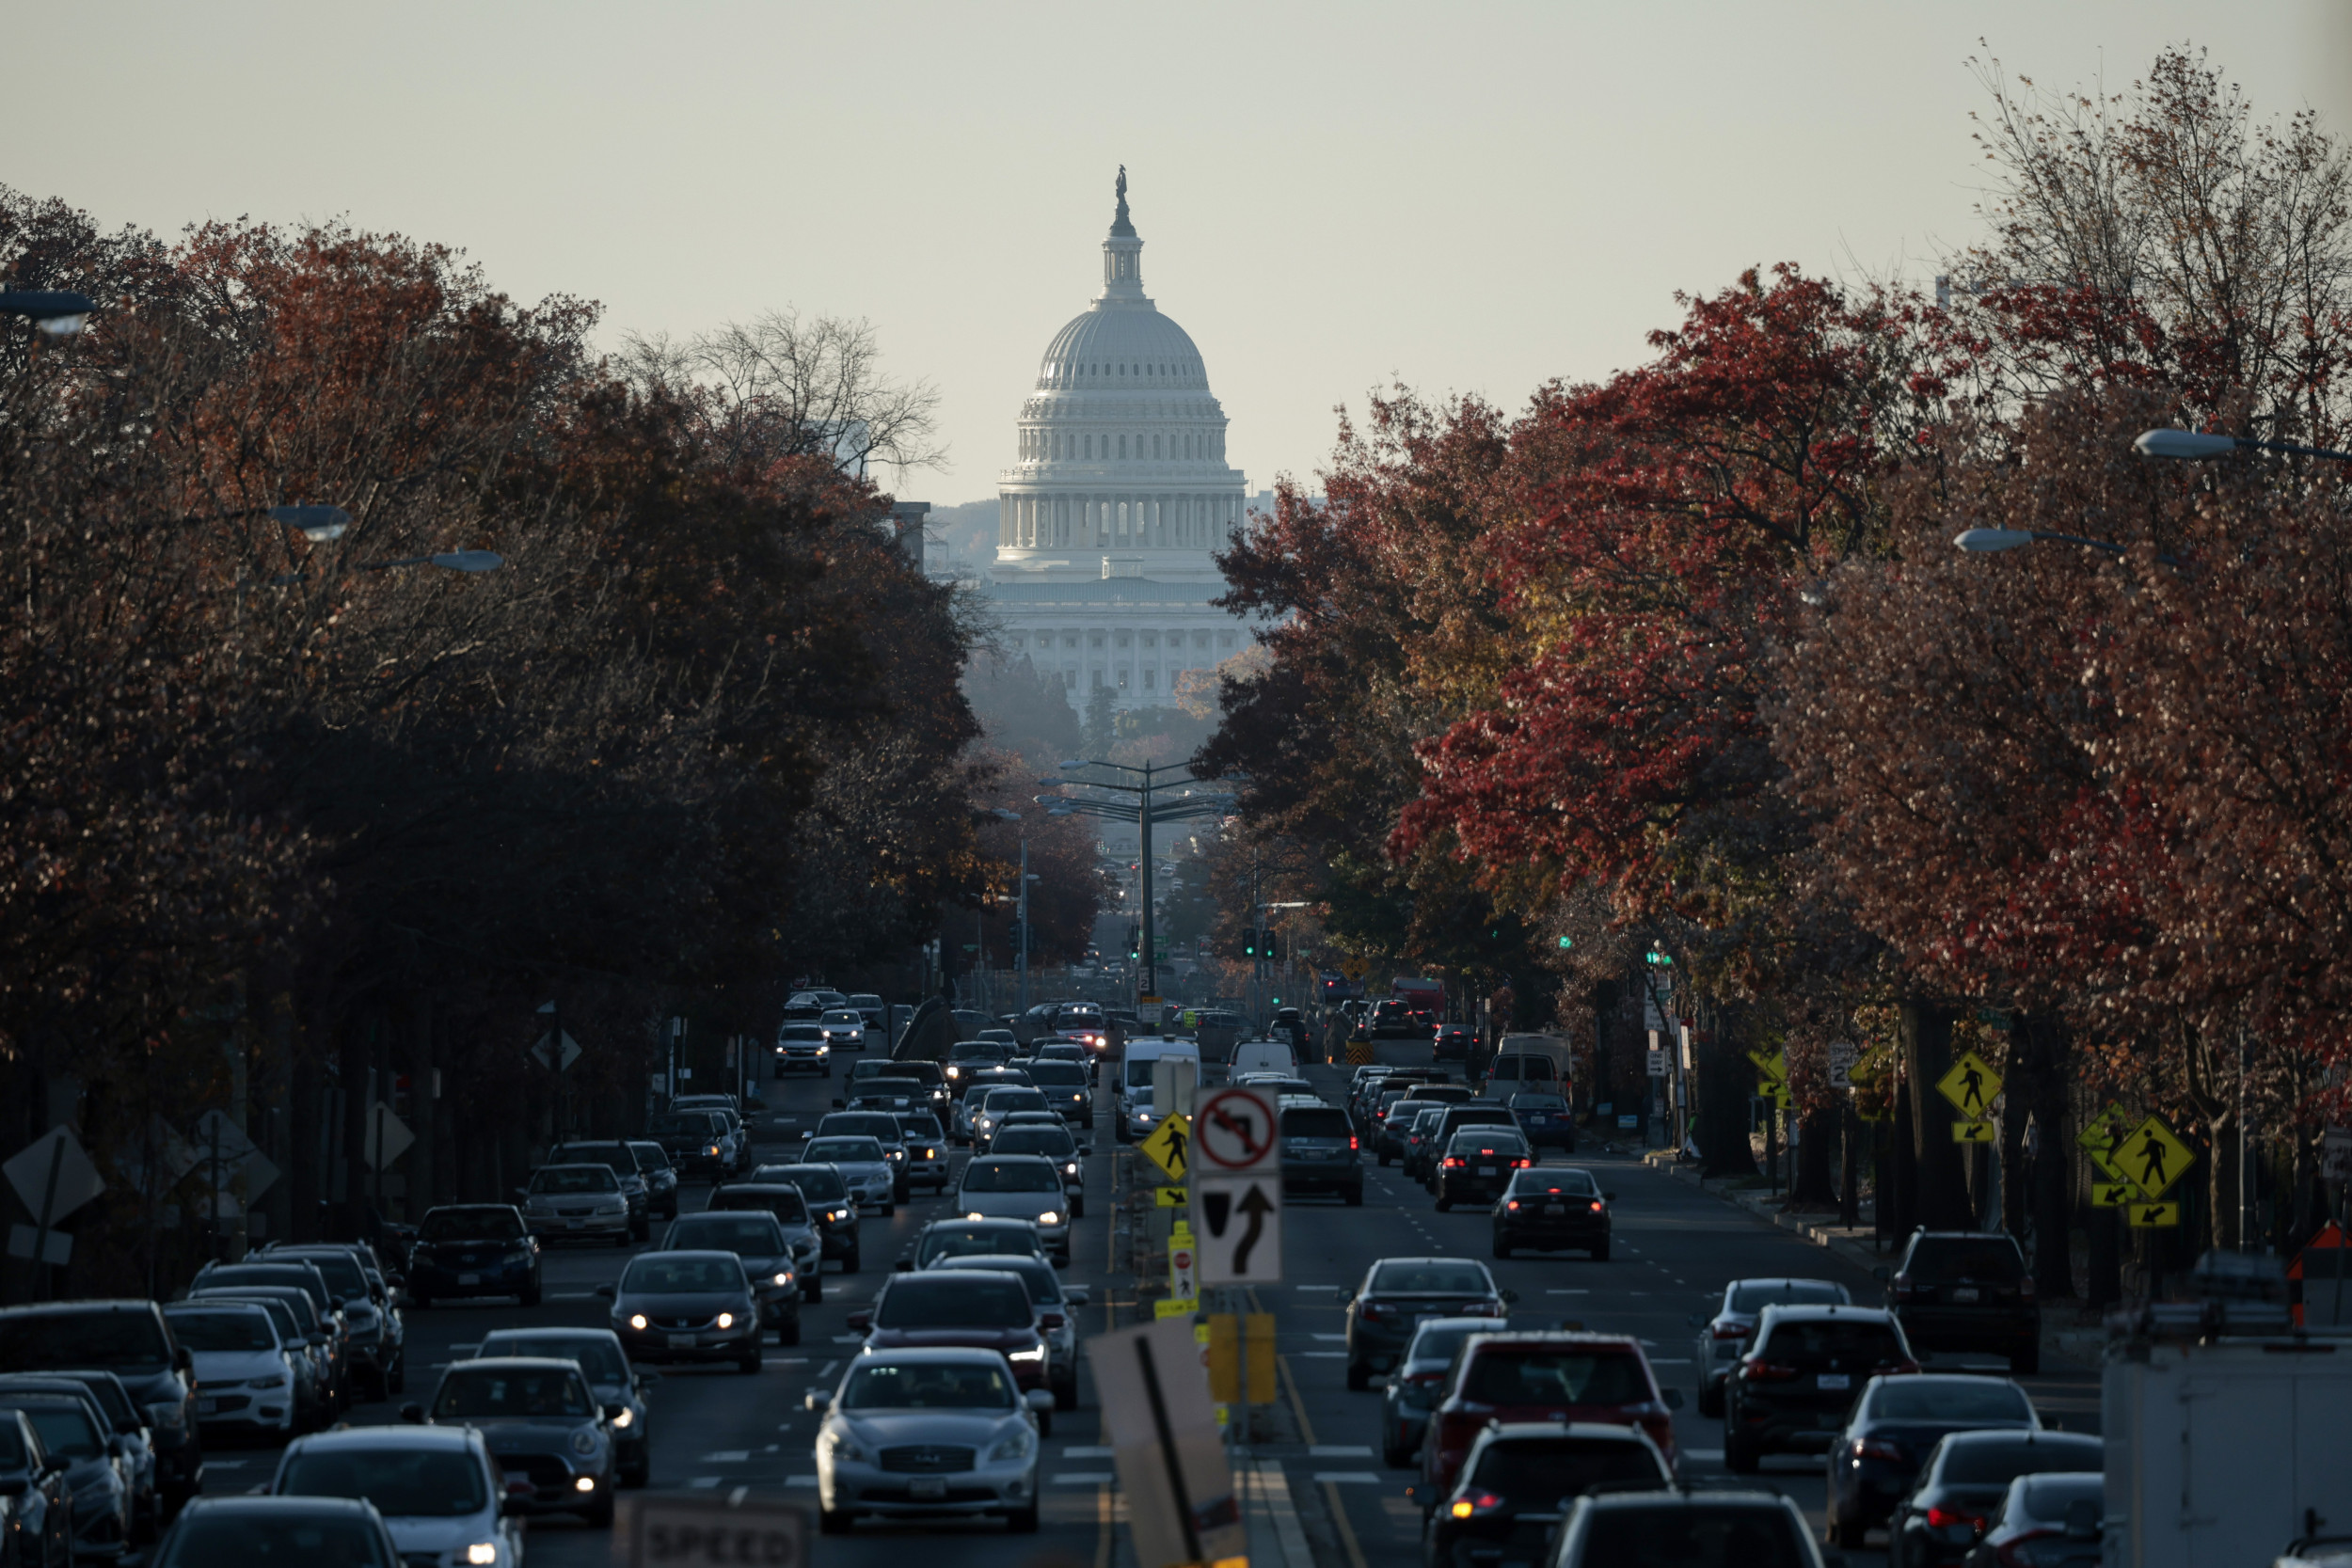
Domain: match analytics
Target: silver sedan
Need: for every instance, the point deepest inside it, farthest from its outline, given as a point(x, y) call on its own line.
point(927, 1434)
point(1018, 1187)
point(865, 1168)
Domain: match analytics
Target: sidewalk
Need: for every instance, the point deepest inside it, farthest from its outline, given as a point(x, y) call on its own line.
point(2082, 1345)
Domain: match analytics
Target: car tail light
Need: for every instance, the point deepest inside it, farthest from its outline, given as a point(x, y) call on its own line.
point(1455, 1161)
point(1876, 1448)
point(1522, 1164)
point(1597, 1205)
point(1513, 1203)
point(1730, 1331)
point(1900, 1287)
point(1485, 1502)
point(1351, 1143)
point(1766, 1371)
point(2025, 1290)
point(1947, 1518)
point(1049, 1319)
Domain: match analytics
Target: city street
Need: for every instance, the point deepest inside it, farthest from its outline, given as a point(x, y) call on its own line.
point(716, 1430)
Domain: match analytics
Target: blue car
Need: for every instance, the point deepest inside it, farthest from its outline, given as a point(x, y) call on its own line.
point(473, 1249)
point(1545, 1117)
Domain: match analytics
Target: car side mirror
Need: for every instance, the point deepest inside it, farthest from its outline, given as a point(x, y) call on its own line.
point(644, 1381)
point(412, 1414)
point(1881, 1273)
point(606, 1293)
point(1078, 1295)
point(904, 1265)
point(861, 1322)
point(55, 1464)
point(615, 1412)
point(817, 1400)
point(1039, 1400)
point(839, 1103)
point(1674, 1399)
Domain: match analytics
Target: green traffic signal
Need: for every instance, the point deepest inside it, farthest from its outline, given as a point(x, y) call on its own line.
point(1568, 942)
point(1661, 960)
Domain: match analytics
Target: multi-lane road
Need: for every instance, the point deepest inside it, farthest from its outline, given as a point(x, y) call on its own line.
point(717, 1430)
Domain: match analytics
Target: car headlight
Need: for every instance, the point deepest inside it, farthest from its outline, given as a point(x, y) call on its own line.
point(626, 1419)
point(781, 1278)
point(840, 1445)
point(825, 1049)
point(1009, 1449)
point(726, 1320)
point(1070, 1170)
point(930, 1154)
point(583, 1440)
point(837, 1214)
point(637, 1320)
point(1035, 1354)
point(955, 1072)
point(1049, 1217)
point(481, 1554)
point(976, 1214)
point(173, 1415)
point(712, 1149)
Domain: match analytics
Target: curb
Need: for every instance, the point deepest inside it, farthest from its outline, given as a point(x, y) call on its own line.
point(2083, 1347)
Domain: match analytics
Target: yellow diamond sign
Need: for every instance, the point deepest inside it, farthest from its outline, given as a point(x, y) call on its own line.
point(1169, 1146)
point(2152, 1159)
point(1972, 1086)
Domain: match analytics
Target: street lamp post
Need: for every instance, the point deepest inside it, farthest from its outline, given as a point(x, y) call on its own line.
point(1022, 907)
point(1144, 811)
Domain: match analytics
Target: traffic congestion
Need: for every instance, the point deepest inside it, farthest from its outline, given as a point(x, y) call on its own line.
point(870, 1290)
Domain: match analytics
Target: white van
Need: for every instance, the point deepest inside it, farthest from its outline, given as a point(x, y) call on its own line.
point(1265, 1057)
point(1131, 1113)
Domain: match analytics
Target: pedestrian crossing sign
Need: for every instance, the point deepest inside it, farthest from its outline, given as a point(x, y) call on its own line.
point(1169, 1146)
point(1972, 1086)
point(2152, 1217)
point(1972, 1132)
point(1770, 1067)
point(2100, 1133)
point(2112, 1194)
point(2153, 1160)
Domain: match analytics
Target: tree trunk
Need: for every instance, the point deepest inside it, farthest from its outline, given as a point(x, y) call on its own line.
point(1724, 1076)
point(1814, 1151)
point(358, 1060)
point(305, 1171)
point(2050, 1051)
point(1902, 1183)
point(421, 1154)
point(1849, 1163)
point(1942, 1201)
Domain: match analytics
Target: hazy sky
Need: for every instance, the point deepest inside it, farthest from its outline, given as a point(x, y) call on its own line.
point(1463, 196)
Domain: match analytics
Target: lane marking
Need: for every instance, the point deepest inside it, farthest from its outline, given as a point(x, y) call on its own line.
point(1568, 1292)
point(1348, 1477)
point(1081, 1478)
point(1086, 1453)
point(727, 1456)
point(826, 1370)
point(1670, 1361)
point(1339, 1451)
point(1322, 1355)
point(1330, 1339)
point(705, 1484)
point(799, 1480)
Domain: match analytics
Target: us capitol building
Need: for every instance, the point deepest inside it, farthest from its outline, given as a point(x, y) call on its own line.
point(1102, 572)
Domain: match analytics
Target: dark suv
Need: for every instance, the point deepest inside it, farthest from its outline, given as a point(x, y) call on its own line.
point(130, 1339)
point(1966, 1289)
point(1397, 1294)
point(1511, 1377)
point(1519, 1477)
point(1319, 1154)
point(1798, 1379)
point(1477, 1165)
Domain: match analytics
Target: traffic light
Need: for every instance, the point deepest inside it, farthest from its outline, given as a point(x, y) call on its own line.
point(1249, 944)
point(1135, 942)
point(1567, 942)
point(1273, 944)
point(1661, 960)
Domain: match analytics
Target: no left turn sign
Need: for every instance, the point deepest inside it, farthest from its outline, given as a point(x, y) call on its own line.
point(1233, 1132)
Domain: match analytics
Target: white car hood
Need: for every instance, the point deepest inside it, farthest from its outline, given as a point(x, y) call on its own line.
point(893, 1428)
point(1010, 1206)
point(223, 1367)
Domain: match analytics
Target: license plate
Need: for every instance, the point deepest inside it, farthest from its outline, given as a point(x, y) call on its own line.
point(1485, 1170)
point(681, 1342)
point(207, 1407)
point(1965, 1292)
point(928, 1487)
point(468, 1279)
point(1833, 1381)
point(1553, 1211)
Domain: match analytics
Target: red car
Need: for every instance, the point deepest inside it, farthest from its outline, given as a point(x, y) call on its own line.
point(981, 1309)
point(1512, 1377)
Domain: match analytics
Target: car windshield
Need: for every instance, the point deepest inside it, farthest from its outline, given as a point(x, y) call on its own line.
point(600, 1357)
point(130, 1341)
point(843, 1150)
point(340, 1271)
point(280, 1312)
point(1487, 1140)
point(1035, 1140)
point(575, 1178)
point(881, 1125)
point(1568, 1183)
point(2049, 1496)
point(786, 1205)
point(1036, 1275)
point(1935, 1398)
point(1509, 1375)
point(1542, 1470)
point(1786, 1292)
point(1981, 1462)
point(818, 1183)
point(1062, 1074)
point(246, 1538)
point(1939, 1260)
point(1308, 1121)
point(1010, 1175)
point(225, 1331)
point(1839, 1336)
point(929, 1385)
point(754, 1235)
point(979, 1050)
point(995, 1242)
point(1538, 1102)
point(802, 1032)
point(1439, 1343)
point(615, 1157)
point(684, 1124)
point(112, 1397)
point(471, 1225)
point(1676, 1535)
point(654, 1274)
point(429, 1483)
point(888, 1089)
point(1433, 1277)
point(490, 1392)
point(921, 1125)
point(912, 1301)
point(1002, 1103)
point(651, 1156)
point(65, 1428)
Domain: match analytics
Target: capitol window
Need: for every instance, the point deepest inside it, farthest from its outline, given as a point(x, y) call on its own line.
point(1122, 445)
point(1150, 639)
point(1149, 676)
point(1097, 640)
point(1122, 638)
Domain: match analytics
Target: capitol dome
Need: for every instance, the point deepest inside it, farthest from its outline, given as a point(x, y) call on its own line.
point(1104, 573)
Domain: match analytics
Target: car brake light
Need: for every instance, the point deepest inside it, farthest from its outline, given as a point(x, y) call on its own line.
point(1455, 1161)
point(1597, 1205)
point(1899, 1287)
point(1351, 1143)
point(1876, 1448)
point(1944, 1518)
point(1512, 1204)
point(1485, 1502)
point(1521, 1164)
point(1730, 1331)
point(1766, 1371)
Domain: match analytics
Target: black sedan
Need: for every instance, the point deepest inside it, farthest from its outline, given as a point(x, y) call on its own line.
point(541, 1424)
point(34, 1481)
point(754, 1236)
point(687, 1306)
point(474, 1249)
point(1452, 1042)
point(828, 1205)
point(1964, 1482)
point(1519, 1477)
point(1478, 1165)
point(1896, 1424)
point(1966, 1291)
point(1729, 1323)
point(2052, 1520)
point(1550, 1208)
point(1793, 1390)
point(1398, 1292)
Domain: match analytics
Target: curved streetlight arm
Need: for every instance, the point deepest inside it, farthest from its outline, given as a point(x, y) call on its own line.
point(2191, 446)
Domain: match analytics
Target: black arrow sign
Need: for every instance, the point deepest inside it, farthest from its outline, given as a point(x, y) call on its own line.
point(1257, 1205)
point(1217, 1208)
